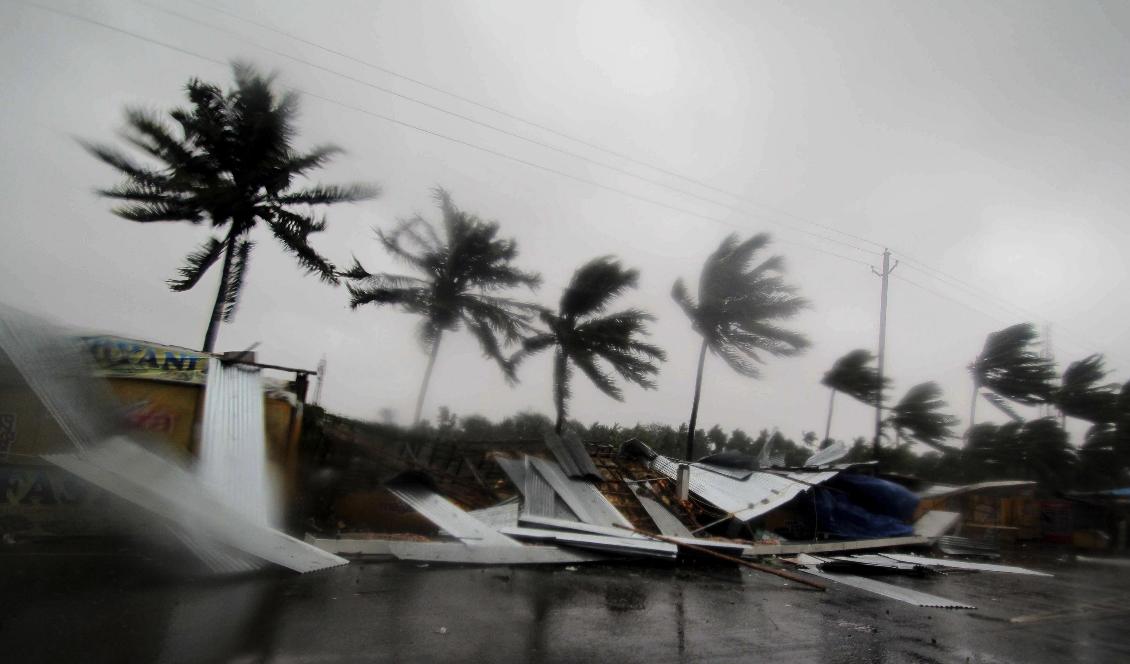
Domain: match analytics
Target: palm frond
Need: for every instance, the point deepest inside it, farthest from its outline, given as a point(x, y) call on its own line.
point(293, 231)
point(595, 284)
point(197, 263)
point(918, 415)
point(599, 377)
point(854, 375)
point(240, 257)
point(329, 194)
point(1010, 367)
point(1083, 394)
point(738, 302)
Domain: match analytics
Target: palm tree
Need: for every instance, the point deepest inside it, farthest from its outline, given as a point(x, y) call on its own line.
point(1009, 366)
point(853, 375)
point(461, 274)
point(738, 310)
point(918, 415)
point(582, 333)
point(227, 159)
point(1082, 394)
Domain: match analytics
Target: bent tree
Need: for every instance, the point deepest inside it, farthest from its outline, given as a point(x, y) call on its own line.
point(460, 272)
point(228, 160)
point(738, 312)
point(586, 337)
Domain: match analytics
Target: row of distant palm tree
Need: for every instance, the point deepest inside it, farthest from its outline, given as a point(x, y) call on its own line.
point(917, 416)
point(228, 160)
point(1008, 368)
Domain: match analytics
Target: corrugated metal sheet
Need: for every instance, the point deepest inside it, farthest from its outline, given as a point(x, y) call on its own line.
point(447, 515)
point(830, 454)
point(891, 591)
point(539, 497)
point(960, 564)
point(935, 523)
point(125, 469)
point(570, 452)
point(746, 499)
point(667, 522)
point(233, 450)
point(458, 553)
point(630, 546)
point(58, 373)
point(497, 516)
point(515, 469)
point(584, 499)
point(888, 590)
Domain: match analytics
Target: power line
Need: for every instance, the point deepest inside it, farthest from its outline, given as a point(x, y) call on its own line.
point(1074, 340)
point(539, 166)
point(501, 130)
point(962, 303)
point(532, 123)
point(452, 139)
point(920, 265)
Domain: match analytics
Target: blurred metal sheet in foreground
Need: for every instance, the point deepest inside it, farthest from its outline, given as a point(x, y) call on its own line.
point(163, 488)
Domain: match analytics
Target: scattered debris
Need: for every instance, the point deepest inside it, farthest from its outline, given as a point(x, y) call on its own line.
point(960, 564)
point(935, 523)
point(810, 565)
point(964, 546)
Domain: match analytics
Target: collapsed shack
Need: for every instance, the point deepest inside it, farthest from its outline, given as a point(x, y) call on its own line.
point(559, 491)
point(560, 501)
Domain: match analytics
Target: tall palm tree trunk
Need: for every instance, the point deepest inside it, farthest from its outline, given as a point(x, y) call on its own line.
point(560, 387)
point(694, 406)
point(427, 379)
point(221, 295)
point(831, 407)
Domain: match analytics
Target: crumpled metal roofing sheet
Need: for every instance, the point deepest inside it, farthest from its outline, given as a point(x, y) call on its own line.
point(584, 499)
point(833, 452)
point(447, 515)
point(746, 499)
point(961, 564)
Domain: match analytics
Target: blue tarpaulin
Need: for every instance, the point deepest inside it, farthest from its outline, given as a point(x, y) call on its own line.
point(863, 507)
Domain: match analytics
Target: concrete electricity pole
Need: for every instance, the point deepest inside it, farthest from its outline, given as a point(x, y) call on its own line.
point(887, 269)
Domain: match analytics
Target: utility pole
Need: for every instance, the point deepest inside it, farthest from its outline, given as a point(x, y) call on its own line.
point(887, 269)
point(321, 379)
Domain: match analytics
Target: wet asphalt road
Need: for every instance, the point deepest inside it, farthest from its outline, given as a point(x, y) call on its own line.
point(65, 606)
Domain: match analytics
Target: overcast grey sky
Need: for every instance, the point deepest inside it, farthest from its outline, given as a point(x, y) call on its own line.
point(986, 140)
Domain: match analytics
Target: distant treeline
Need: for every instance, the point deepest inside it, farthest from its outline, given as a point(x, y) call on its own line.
point(1036, 450)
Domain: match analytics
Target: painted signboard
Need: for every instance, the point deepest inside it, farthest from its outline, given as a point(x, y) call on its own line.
point(114, 357)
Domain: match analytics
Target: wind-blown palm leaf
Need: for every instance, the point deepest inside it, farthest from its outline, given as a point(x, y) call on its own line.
point(226, 158)
point(918, 416)
point(1008, 366)
point(461, 273)
point(601, 345)
point(854, 375)
point(1083, 394)
point(739, 307)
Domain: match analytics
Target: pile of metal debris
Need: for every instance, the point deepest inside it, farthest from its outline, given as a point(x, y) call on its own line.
point(573, 503)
